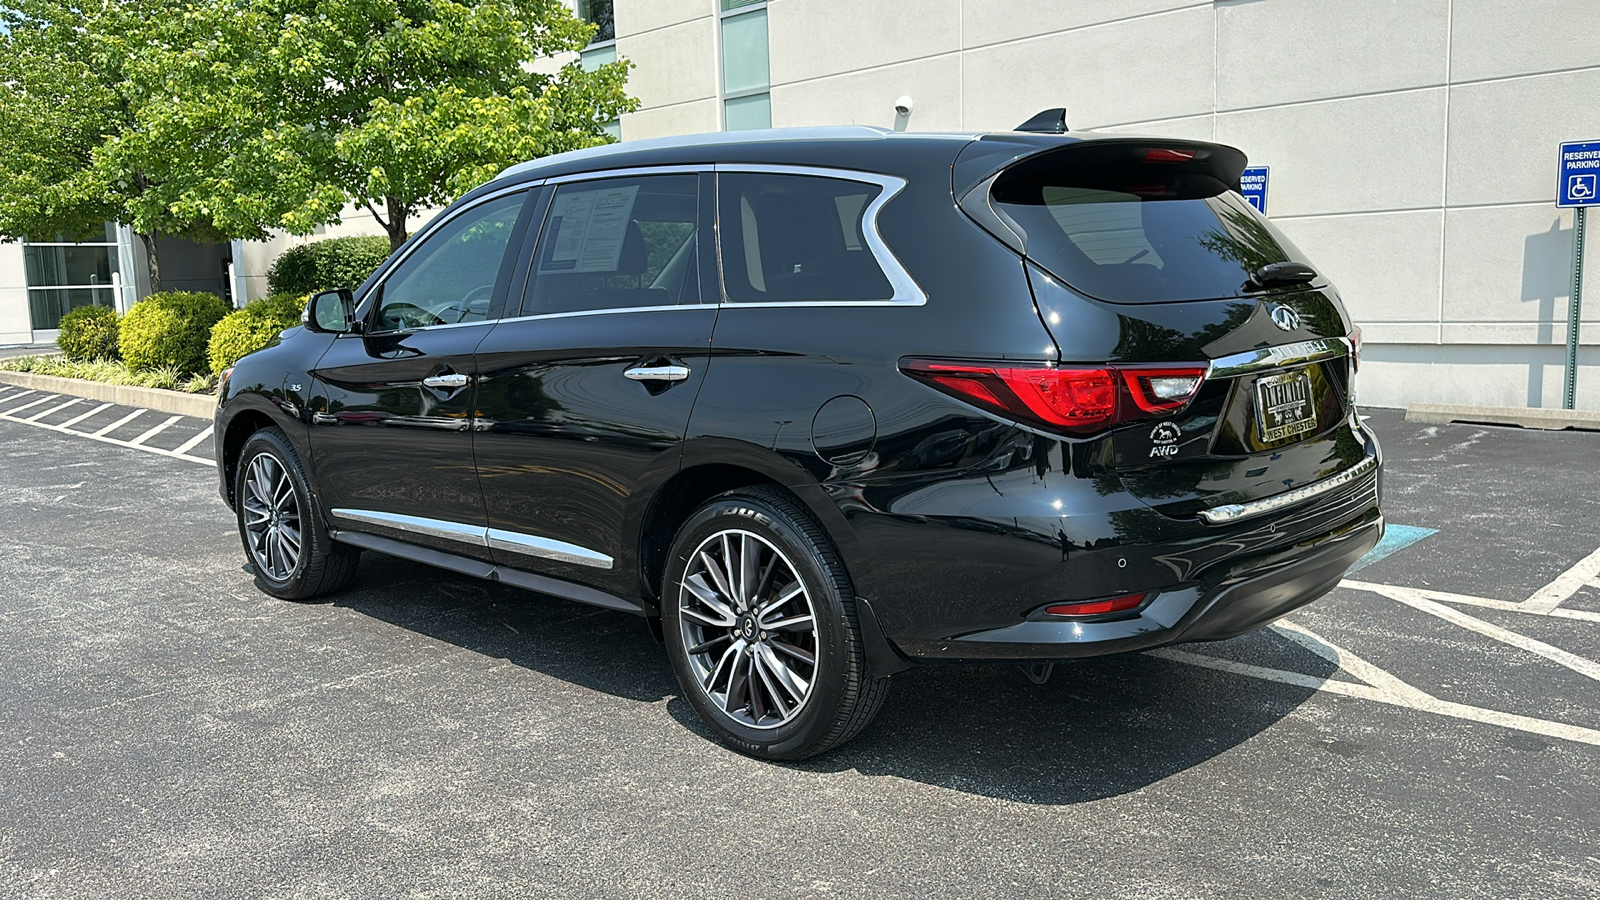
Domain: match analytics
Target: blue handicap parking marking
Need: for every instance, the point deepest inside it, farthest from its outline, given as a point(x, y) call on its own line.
point(1253, 185)
point(1395, 538)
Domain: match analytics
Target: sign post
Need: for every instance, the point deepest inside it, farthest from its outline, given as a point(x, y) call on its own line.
point(1578, 187)
point(1253, 185)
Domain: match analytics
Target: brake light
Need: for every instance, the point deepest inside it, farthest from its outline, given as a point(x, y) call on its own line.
point(1168, 155)
point(1076, 400)
point(1097, 607)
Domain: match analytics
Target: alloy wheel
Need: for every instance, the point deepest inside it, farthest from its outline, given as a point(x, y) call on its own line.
point(749, 628)
point(272, 518)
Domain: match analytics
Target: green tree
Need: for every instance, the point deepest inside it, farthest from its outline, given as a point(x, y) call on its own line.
point(288, 110)
point(67, 113)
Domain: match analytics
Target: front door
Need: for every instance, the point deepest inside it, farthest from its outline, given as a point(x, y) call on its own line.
point(587, 395)
point(392, 408)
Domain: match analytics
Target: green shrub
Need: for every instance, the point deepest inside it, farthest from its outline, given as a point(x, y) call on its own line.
point(252, 328)
point(170, 330)
point(109, 371)
point(89, 332)
point(326, 265)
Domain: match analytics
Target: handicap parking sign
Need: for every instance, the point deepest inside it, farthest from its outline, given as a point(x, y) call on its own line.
point(1579, 181)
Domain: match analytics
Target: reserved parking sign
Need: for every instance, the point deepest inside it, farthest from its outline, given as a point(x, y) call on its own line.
point(1579, 181)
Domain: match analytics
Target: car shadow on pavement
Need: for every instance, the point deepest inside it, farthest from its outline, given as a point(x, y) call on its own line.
point(1098, 728)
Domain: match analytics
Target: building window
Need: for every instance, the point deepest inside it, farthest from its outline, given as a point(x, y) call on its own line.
point(64, 274)
point(746, 70)
point(599, 12)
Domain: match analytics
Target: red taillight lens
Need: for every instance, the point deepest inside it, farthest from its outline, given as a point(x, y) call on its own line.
point(1097, 607)
point(1078, 400)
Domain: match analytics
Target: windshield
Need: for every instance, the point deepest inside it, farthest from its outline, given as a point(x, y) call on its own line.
point(1118, 227)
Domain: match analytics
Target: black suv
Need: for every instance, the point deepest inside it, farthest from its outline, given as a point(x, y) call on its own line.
point(824, 404)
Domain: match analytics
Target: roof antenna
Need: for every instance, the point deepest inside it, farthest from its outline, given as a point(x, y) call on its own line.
point(1051, 121)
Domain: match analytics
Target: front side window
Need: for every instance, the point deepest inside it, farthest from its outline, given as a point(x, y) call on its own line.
point(618, 243)
point(797, 238)
point(450, 277)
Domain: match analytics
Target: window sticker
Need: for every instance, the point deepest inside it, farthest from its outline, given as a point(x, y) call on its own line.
point(590, 227)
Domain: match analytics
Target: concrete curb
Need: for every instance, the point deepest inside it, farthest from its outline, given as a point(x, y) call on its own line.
point(202, 406)
point(1550, 419)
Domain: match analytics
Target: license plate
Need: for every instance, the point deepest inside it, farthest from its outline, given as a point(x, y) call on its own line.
point(1284, 407)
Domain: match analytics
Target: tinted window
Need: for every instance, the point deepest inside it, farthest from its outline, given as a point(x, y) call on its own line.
point(1121, 228)
point(450, 276)
point(617, 244)
point(793, 238)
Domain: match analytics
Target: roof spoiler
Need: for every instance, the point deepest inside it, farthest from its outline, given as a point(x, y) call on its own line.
point(1050, 121)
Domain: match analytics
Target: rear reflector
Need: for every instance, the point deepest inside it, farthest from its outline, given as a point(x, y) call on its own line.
point(1076, 400)
point(1097, 607)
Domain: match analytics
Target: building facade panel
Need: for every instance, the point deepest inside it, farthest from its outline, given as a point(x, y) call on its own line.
point(1510, 267)
point(1496, 38)
point(1504, 135)
point(682, 118)
point(1156, 67)
point(1386, 265)
point(985, 22)
point(1290, 51)
point(686, 51)
point(867, 98)
point(1362, 154)
point(637, 18)
point(814, 39)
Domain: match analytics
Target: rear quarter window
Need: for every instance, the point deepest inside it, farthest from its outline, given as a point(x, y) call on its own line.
point(797, 238)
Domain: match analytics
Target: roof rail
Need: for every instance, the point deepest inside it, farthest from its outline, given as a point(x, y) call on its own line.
point(819, 133)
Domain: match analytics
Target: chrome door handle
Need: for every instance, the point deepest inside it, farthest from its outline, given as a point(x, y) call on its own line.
point(657, 373)
point(450, 380)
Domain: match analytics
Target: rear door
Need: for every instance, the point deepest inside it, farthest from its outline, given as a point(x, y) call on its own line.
point(585, 395)
point(392, 408)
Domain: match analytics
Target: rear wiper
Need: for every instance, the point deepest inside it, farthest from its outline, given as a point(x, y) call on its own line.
point(1280, 274)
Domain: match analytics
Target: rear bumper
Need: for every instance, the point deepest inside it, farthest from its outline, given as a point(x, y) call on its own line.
point(973, 587)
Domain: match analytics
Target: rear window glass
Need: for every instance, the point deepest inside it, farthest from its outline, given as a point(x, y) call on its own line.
point(1121, 229)
point(797, 238)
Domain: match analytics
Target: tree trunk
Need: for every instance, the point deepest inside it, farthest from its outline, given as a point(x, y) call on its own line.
point(396, 226)
point(149, 241)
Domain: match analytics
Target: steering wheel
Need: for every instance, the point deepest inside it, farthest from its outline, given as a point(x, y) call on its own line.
point(475, 301)
point(408, 315)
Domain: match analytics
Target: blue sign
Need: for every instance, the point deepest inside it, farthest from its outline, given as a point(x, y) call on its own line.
point(1253, 185)
point(1579, 181)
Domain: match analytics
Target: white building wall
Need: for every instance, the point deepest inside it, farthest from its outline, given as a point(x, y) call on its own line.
point(1412, 142)
point(16, 326)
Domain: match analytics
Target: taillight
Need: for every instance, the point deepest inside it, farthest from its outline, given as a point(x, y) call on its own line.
point(1073, 399)
point(1097, 607)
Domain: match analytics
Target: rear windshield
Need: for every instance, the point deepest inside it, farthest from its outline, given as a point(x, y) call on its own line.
point(1120, 228)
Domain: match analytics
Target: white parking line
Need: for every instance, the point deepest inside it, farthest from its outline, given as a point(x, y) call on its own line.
point(193, 442)
point(1566, 584)
point(12, 412)
point(55, 409)
point(17, 396)
point(1485, 602)
point(91, 413)
point(119, 423)
point(154, 431)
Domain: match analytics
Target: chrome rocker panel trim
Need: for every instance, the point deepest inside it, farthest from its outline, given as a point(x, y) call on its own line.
point(509, 541)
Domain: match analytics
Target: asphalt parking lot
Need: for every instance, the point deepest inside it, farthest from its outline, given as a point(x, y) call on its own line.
point(1430, 729)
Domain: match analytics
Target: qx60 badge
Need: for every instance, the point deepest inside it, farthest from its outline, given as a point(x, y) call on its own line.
point(1284, 316)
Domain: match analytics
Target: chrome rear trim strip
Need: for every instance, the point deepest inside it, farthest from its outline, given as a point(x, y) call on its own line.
point(1233, 512)
point(499, 539)
point(1280, 357)
point(547, 548)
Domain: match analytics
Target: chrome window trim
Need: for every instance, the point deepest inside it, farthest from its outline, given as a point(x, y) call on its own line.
point(420, 238)
point(546, 548)
point(1279, 357)
point(906, 290)
point(478, 535)
point(1234, 512)
point(608, 312)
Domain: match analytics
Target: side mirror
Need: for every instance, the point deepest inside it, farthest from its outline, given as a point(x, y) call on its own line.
point(331, 312)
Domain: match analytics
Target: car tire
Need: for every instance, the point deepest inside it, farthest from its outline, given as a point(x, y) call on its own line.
point(283, 534)
point(745, 572)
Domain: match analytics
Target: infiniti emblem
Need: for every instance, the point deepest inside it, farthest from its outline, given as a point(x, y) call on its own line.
point(1284, 317)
